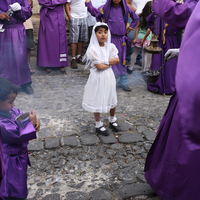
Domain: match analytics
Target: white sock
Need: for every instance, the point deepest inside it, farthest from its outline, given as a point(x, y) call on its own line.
point(78, 56)
point(112, 119)
point(98, 124)
point(73, 58)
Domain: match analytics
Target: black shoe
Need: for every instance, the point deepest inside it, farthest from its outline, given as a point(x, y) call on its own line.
point(114, 128)
point(28, 90)
point(155, 91)
point(125, 88)
point(129, 71)
point(99, 131)
point(74, 64)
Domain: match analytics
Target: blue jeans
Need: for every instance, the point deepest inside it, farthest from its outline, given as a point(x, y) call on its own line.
point(129, 49)
point(123, 80)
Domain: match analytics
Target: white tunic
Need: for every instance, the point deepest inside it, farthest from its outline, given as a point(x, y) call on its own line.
point(100, 90)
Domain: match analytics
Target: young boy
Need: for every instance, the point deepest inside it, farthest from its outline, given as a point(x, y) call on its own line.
point(78, 27)
point(115, 13)
point(15, 140)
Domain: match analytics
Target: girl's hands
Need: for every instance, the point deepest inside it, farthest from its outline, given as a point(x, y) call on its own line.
point(4, 16)
point(141, 43)
point(37, 125)
point(134, 41)
point(32, 117)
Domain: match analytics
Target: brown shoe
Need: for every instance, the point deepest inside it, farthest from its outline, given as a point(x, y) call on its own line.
point(79, 60)
point(74, 64)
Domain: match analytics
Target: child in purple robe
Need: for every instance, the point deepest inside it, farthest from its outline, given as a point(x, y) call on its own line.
point(100, 91)
point(15, 140)
point(115, 13)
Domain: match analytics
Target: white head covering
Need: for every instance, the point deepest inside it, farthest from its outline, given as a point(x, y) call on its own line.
point(95, 44)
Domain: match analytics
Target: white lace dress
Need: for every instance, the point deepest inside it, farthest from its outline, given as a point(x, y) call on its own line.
point(100, 90)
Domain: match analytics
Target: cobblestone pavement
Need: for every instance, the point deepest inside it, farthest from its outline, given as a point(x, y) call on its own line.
point(83, 165)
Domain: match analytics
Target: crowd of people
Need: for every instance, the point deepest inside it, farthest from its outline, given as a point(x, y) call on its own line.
point(172, 163)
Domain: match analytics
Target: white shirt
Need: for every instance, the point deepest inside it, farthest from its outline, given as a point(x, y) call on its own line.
point(96, 3)
point(139, 5)
point(78, 8)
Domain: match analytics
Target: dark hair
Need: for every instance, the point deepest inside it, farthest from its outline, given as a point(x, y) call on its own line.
point(6, 88)
point(145, 13)
point(102, 26)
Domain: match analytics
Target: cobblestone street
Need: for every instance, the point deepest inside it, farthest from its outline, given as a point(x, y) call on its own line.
point(83, 165)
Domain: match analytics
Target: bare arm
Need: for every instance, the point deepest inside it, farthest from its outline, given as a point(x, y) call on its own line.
point(129, 4)
point(112, 61)
point(67, 10)
point(136, 32)
point(87, 1)
point(147, 34)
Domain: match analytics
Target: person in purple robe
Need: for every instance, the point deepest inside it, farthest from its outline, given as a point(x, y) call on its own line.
point(172, 164)
point(15, 140)
point(115, 13)
point(2, 167)
point(52, 40)
point(13, 43)
point(167, 38)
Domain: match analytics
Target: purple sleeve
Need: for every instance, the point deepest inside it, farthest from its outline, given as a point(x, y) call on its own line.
point(150, 21)
point(25, 12)
point(173, 13)
point(47, 3)
point(94, 11)
point(134, 17)
point(12, 134)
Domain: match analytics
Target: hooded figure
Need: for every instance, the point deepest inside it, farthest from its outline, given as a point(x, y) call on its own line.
point(117, 19)
point(13, 44)
point(172, 164)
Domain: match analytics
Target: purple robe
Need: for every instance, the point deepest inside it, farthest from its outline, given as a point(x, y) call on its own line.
point(117, 23)
point(52, 39)
point(15, 141)
point(2, 167)
point(13, 46)
point(167, 40)
point(172, 164)
point(170, 9)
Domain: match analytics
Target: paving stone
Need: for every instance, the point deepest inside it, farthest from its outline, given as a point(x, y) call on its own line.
point(133, 190)
point(149, 135)
point(130, 137)
point(89, 139)
point(141, 129)
point(51, 143)
point(69, 141)
point(110, 139)
point(45, 133)
point(101, 194)
point(77, 196)
point(35, 145)
point(124, 126)
point(117, 146)
point(52, 197)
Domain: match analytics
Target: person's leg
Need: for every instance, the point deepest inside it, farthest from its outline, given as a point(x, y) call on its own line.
point(73, 39)
point(139, 58)
point(133, 57)
point(144, 60)
point(83, 37)
point(100, 129)
point(123, 83)
point(112, 120)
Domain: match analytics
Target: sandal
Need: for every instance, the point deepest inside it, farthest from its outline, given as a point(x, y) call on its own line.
point(62, 70)
point(48, 70)
point(32, 71)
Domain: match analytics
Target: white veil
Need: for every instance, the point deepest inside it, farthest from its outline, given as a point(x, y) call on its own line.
point(94, 44)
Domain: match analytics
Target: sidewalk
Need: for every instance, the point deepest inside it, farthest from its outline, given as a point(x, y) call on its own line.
point(91, 167)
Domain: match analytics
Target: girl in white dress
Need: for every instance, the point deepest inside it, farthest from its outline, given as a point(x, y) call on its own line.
point(100, 90)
